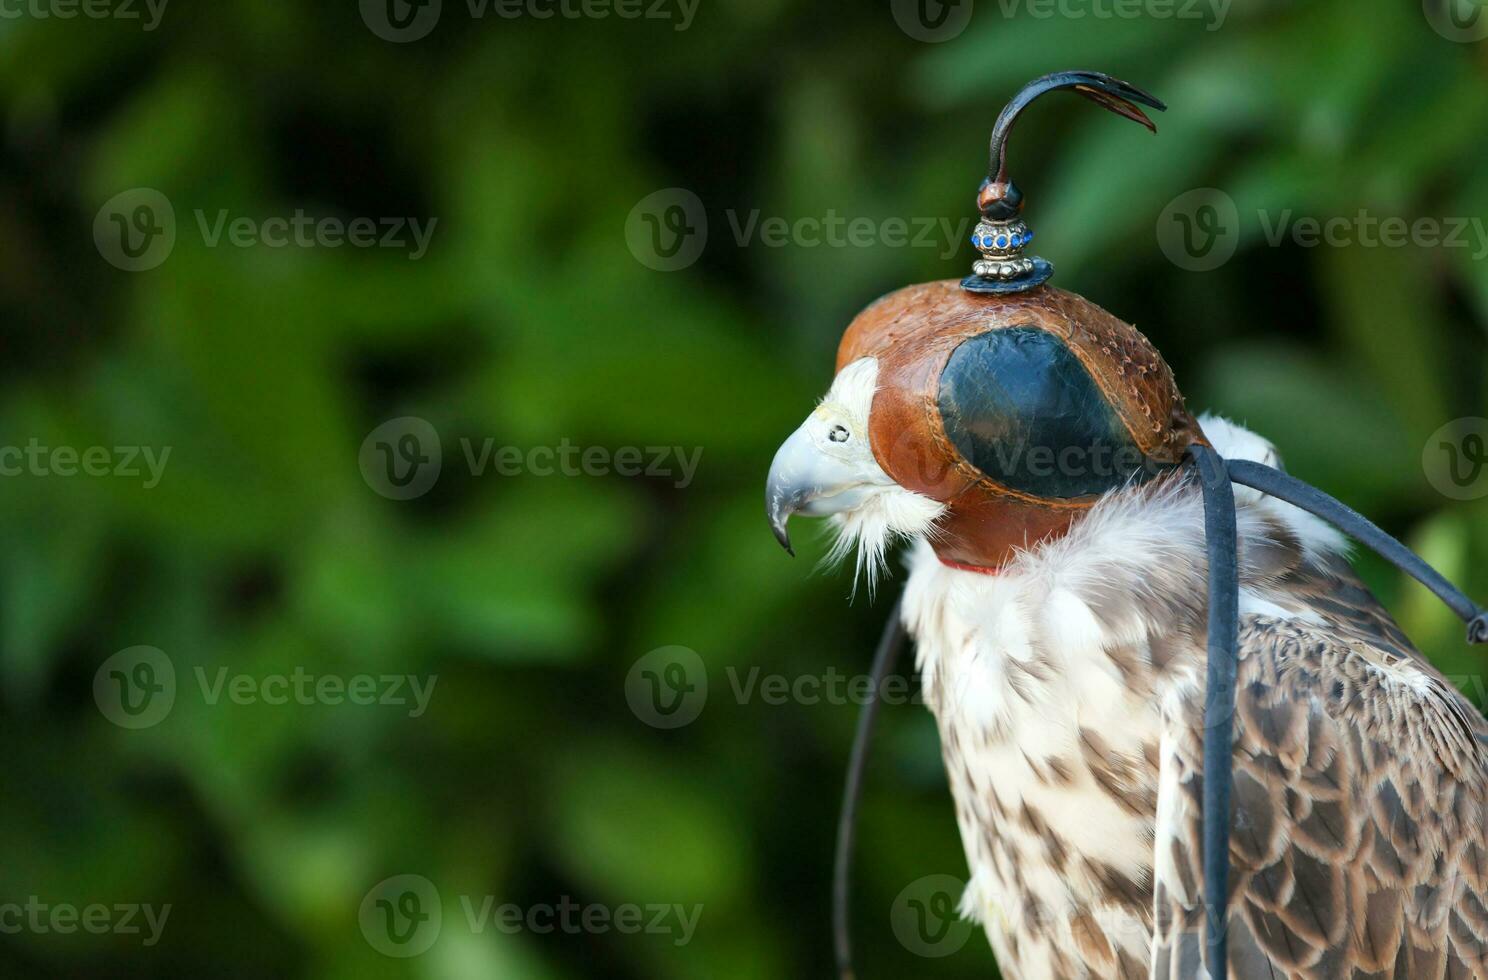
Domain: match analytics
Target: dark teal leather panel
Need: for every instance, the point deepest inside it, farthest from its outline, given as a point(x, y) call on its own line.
point(1020, 407)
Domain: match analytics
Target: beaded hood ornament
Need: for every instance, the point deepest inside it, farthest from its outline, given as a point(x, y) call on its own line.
point(1001, 235)
point(1002, 358)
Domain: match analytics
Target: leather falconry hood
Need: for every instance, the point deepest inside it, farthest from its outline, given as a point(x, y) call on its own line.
point(1018, 405)
point(1015, 403)
point(1016, 410)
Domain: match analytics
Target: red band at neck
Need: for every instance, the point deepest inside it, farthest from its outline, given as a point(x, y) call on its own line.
point(979, 569)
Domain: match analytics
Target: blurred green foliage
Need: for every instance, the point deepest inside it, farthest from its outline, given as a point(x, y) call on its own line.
point(529, 321)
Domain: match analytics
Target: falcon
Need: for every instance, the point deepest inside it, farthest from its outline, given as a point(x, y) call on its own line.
point(1092, 604)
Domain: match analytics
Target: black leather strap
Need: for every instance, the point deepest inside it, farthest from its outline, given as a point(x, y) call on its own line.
point(1283, 486)
point(889, 645)
point(1219, 696)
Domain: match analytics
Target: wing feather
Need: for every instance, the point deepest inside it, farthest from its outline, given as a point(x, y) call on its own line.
point(1360, 841)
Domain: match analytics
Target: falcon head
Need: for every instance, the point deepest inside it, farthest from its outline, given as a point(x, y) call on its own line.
point(985, 422)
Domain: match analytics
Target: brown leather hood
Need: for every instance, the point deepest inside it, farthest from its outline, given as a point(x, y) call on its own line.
point(914, 331)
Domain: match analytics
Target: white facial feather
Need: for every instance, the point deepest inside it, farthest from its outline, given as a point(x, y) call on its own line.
point(888, 512)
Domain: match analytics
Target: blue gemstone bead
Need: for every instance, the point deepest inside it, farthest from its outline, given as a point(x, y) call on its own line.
point(1002, 241)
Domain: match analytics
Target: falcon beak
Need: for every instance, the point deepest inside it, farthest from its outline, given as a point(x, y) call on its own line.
point(805, 479)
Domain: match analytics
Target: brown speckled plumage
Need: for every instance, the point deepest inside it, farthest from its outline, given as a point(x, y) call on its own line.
point(1360, 838)
point(1360, 844)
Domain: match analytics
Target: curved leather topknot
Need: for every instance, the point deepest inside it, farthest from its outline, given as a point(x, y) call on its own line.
point(913, 333)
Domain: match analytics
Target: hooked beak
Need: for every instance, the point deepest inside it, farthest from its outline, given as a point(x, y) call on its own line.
point(804, 479)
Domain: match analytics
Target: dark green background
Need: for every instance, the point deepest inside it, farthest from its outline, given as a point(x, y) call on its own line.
point(530, 321)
